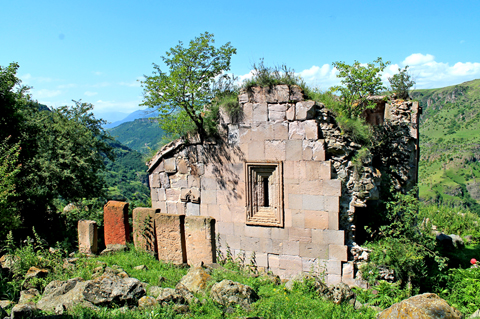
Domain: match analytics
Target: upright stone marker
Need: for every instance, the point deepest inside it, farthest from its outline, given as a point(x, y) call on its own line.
point(144, 229)
point(87, 237)
point(200, 239)
point(171, 238)
point(115, 217)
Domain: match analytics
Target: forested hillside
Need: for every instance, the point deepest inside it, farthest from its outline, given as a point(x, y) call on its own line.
point(450, 144)
point(142, 135)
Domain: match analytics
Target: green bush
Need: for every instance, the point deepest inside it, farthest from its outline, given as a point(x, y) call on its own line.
point(450, 220)
point(402, 245)
point(264, 76)
point(463, 289)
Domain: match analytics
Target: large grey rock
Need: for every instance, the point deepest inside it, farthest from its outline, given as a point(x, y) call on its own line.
point(105, 290)
point(450, 241)
point(168, 295)
point(229, 293)
point(27, 295)
point(425, 306)
point(195, 280)
point(110, 288)
point(63, 295)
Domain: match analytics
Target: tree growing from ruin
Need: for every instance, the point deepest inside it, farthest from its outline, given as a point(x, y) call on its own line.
point(358, 82)
point(401, 83)
point(181, 94)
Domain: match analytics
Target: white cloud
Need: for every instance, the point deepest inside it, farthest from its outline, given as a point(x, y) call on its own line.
point(67, 86)
point(418, 58)
point(46, 93)
point(135, 83)
point(97, 73)
point(102, 106)
point(427, 72)
point(321, 77)
point(89, 93)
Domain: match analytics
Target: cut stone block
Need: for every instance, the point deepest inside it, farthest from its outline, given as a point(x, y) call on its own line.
point(170, 165)
point(290, 113)
point(170, 233)
point(305, 110)
point(200, 239)
point(337, 252)
point(311, 129)
point(87, 237)
point(115, 220)
point(144, 229)
point(296, 131)
point(192, 209)
point(259, 112)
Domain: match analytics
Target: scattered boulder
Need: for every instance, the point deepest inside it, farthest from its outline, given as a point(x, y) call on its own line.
point(7, 261)
point(457, 241)
point(109, 288)
point(228, 292)
point(34, 272)
point(168, 295)
point(61, 295)
point(154, 291)
point(424, 306)
point(5, 303)
point(147, 302)
point(476, 314)
point(141, 267)
point(105, 290)
point(450, 241)
point(339, 293)
point(23, 311)
point(27, 295)
point(195, 280)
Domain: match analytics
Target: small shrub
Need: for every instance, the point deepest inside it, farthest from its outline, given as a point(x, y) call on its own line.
point(401, 83)
point(463, 289)
point(264, 76)
point(357, 128)
point(402, 245)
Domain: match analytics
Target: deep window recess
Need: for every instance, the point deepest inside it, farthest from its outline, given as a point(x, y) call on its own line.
point(264, 200)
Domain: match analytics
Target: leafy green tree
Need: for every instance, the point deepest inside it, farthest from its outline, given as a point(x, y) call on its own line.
point(359, 81)
point(401, 83)
point(9, 168)
point(182, 94)
point(61, 152)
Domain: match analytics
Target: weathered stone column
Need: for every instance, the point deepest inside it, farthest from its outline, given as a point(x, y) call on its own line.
point(87, 237)
point(116, 228)
point(200, 239)
point(171, 238)
point(144, 236)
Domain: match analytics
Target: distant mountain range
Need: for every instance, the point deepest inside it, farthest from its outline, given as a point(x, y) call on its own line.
point(140, 114)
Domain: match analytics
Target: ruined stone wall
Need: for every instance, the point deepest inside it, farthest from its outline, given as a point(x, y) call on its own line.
point(277, 138)
point(279, 182)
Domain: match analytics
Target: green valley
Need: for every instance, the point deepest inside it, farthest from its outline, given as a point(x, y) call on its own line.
point(450, 145)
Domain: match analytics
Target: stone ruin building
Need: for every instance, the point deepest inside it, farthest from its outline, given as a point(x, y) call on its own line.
point(279, 182)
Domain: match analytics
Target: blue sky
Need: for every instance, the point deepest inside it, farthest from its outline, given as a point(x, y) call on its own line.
point(97, 50)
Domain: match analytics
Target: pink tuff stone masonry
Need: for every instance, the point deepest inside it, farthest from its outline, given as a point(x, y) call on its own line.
point(87, 236)
point(116, 228)
point(200, 239)
point(144, 228)
point(171, 238)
